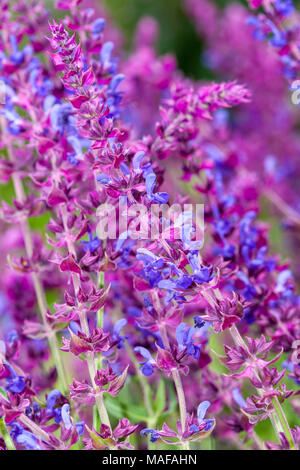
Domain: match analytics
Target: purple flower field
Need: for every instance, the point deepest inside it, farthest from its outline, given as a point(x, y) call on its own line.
point(150, 229)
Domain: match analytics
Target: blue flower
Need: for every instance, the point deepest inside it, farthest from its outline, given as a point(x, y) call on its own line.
point(13, 118)
point(221, 118)
point(137, 161)
point(187, 232)
point(290, 67)
point(260, 260)
point(154, 435)
point(115, 82)
point(77, 143)
point(227, 251)
point(23, 437)
point(102, 178)
point(248, 235)
point(114, 96)
point(17, 56)
point(92, 244)
point(284, 7)
point(237, 396)
point(52, 398)
point(98, 26)
point(160, 198)
point(62, 119)
point(184, 337)
point(49, 102)
point(65, 416)
point(199, 323)
point(12, 337)
point(125, 169)
point(15, 383)
point(153, 266)
point(34, 411)
point(279, 37)
point(201, 412)
point(147, 365)
point(282, 280)
point(105, 57)
point(80, 427)
point(201, 273)
point(119, 325)
point(223, 227)
point(133, 311)
point(148, 304)
point(43, 88)
point(248, 290)
point(258, 32)
point(125, 245)
point(249, 316)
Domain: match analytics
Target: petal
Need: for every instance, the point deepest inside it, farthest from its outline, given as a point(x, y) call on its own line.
point(119, 326)
point(202, 409)
point(143, 352)
point(65, 414)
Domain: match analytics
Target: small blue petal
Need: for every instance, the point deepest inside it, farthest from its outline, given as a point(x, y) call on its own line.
point(202, 409)
point(65, 415)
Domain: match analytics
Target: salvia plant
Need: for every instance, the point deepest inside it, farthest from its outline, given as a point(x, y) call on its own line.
point(114, 338)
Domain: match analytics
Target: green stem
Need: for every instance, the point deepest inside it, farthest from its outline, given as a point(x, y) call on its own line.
point(6, 437)
point(180, 396)
point(185, 445)
point(98, 360)
point(102, 410)
point(100, 314)
point(283, 422)
point(179, 388)
point(144, 386)
point(147, 394)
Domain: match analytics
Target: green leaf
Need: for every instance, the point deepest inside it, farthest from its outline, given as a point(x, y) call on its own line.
point(98, 442)
point(160, 398)
point(172, 405)
point(3, 392)
point(114, 407)
point(119, 409)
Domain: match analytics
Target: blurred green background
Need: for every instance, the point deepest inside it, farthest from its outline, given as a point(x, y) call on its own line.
point(177, 33)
